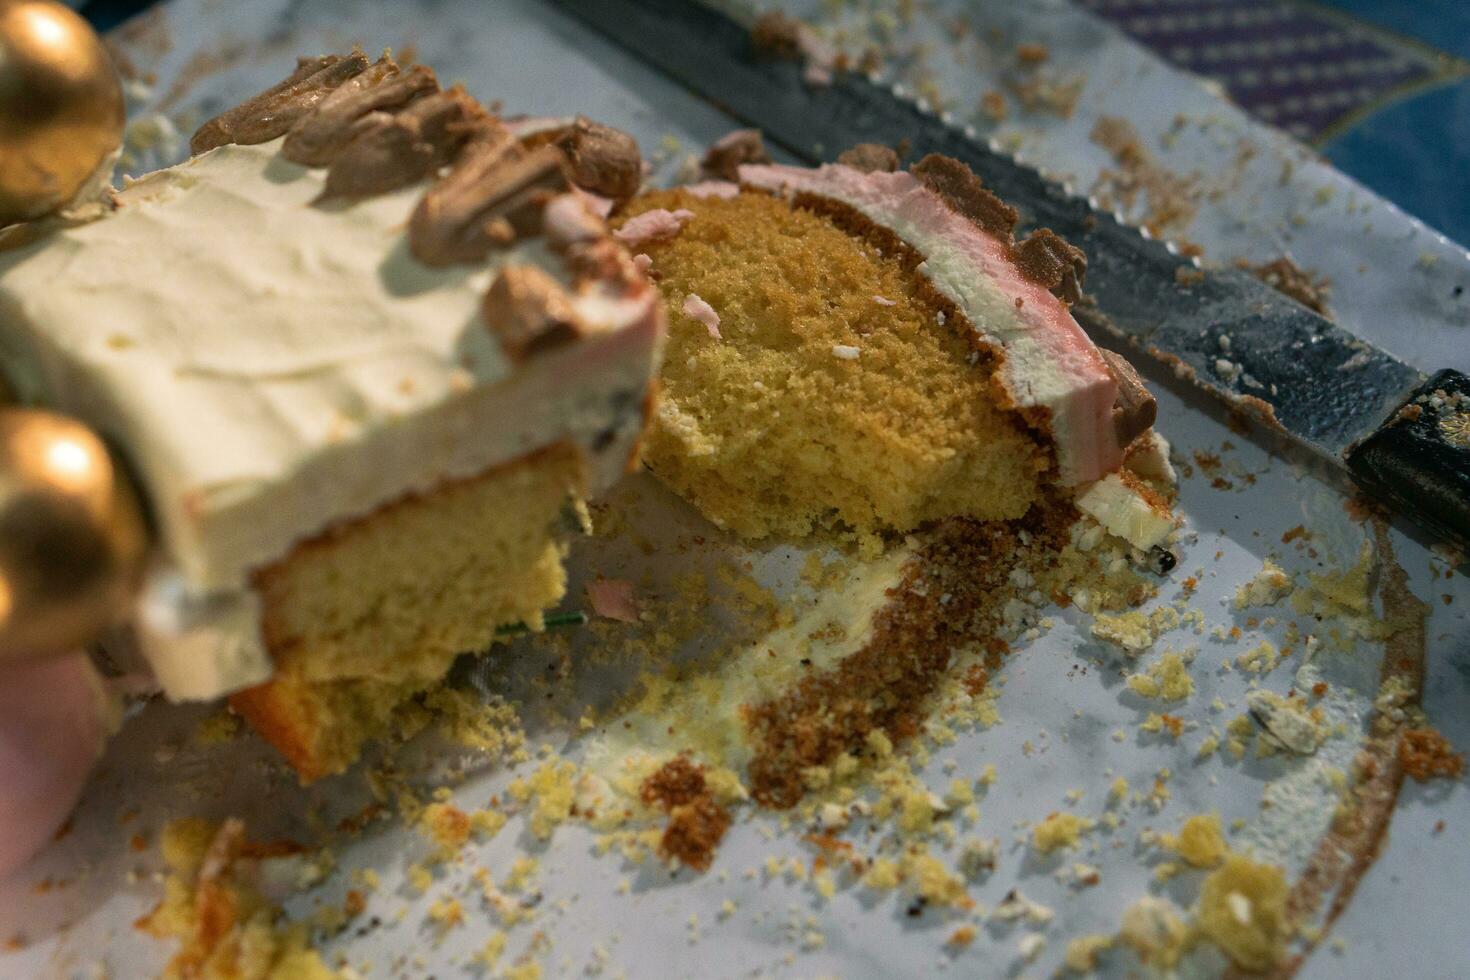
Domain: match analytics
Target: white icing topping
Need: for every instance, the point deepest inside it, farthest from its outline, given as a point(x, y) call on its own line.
point(270, 367)
point(1049, 361)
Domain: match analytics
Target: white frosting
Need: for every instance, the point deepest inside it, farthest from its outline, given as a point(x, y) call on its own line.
point(1049, 360)
point(270, 367)
point(1123, 510)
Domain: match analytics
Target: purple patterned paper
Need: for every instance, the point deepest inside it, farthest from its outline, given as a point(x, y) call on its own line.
point(1302, 70)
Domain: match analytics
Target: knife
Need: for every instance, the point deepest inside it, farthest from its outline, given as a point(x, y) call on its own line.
point(1404, 437)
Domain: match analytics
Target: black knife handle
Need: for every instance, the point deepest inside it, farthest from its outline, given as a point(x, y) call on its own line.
point(1418, 462)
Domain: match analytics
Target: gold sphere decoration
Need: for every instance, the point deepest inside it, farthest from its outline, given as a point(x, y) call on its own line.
point(72, 537)
point(61, 107)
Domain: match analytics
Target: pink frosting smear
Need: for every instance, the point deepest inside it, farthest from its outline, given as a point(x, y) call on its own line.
point(1050, 362)
point(697, 309)
point(652, 226)
point(612, 598)
point(723, 189)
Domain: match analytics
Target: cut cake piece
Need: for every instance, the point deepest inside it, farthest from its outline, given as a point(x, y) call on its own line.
point(859, 347)
point(366, 353)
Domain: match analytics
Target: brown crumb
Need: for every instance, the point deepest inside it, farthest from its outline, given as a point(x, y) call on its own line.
point(1426, 754)
point(1290, 279)
point(353, 903)
point(993, 106)
point(138, 842)
point(677, 782)
point(883, 686)
point(1171, 199)
point(1032, 54)
point(694, 831)
point(697, 823)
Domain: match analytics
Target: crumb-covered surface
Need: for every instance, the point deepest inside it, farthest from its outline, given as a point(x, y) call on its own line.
point(931, 867)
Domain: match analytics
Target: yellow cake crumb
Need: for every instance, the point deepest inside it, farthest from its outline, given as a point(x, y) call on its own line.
point(1083, 952)
point(522, 871)
point(1155, 931)
point(420, 878)
point(551, 790)
point(446, 825)
point(1269, 586)
point(487, 823)
point(493, 949)
point(225, 927)
point(1242, 908)
point(1059, 830)
point(1167, 679)
point(1199, 841)
point(446, 913)
point(882, 875)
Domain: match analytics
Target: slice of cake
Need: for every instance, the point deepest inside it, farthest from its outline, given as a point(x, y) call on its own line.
point(367, 353)
point(865, 348)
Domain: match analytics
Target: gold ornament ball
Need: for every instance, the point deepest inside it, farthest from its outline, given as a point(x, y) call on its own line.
point(61, 107)
point(72, 538)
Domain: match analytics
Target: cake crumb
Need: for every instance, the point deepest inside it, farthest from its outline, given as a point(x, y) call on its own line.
point(1155, 931)
point(1426, 754)
point(1059, 830)
point(1267, 588)
point(1199, 841)
point(1083, 952)
point(1242, 908)
point(1168, 679)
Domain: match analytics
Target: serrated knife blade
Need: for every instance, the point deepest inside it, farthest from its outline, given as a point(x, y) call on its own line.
point(1231, 334)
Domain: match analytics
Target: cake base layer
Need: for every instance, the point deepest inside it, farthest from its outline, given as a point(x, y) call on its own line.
point(838, 386)
point(363, 618)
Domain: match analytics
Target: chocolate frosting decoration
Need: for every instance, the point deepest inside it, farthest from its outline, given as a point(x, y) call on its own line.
point(387, 151)
point(1050, 260)
point(870, 158)
point(1135, 409)
point(273, 112)
point(723, 159)
point(216, 131)
point(494, 194)
point(528, 310)
point(958, 186)
point(603, 160)
point(378, 128)
point(316, 139)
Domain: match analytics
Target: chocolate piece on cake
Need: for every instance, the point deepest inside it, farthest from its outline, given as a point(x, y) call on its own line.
point(359, 454)
point(723, 159)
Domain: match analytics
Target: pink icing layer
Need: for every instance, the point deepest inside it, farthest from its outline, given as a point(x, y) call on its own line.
point(651, 226)
point(1050, 362)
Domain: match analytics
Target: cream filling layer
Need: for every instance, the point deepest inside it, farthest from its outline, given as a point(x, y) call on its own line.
point(1049, 361)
